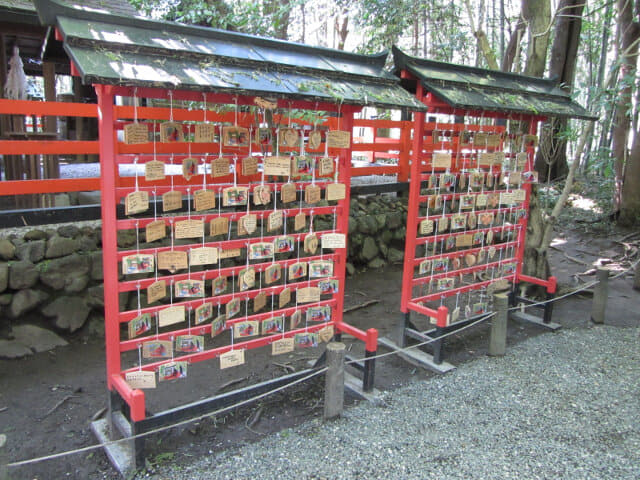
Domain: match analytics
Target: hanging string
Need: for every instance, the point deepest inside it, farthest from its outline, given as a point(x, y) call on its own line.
point(170, 93)
point(139, 357)
point(135, 105)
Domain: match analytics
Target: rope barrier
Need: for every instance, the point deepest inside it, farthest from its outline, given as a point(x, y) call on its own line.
point(290, 384)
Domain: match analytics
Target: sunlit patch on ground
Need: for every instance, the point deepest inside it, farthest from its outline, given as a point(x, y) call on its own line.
point(578, 201)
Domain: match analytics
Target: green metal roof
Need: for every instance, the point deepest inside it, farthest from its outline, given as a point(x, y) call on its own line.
point(471, 88)
point(113, 49)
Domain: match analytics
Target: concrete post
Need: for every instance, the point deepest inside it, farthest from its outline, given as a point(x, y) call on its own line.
point(3, 457)
point(498, 335)
point(334, 380)
point(600, 294)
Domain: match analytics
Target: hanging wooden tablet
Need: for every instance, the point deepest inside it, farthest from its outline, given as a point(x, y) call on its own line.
point(441, 160)
point(193, 228)
point(136, 202)
point(171, 200)
point(531, 177)
point(172, 260)
point(232, 358)
point(235, 136)
point(288, 137)
point(249, 166)
point(325, 166)
point(203, 256)
point(259, 302)
point(271, 326)
point(246, 328)
point(443, 224)
point(139, 325)
point(204, 133)
point(229, 253)
point(480, 139)
point(141, 379)
point(325, 334)
point(272, 274)
point(464, 240)
point(424, 267)
point(498, 158)
point(472, 221)
point(155, 230)
point(156, 291)
point(278, 166)
point(219, 226)
point(312, 194)
point(136, 133)
point(458, 221)
point(493, 140)
point(490, 240)
point(220, 167)
point(282, 345)
point(157, 349)
point(426, 227)
point(262, 195)
point(204, 200)
point(465, 138)
point(493, 200)
point(521, 160)
point(315, 140)
point(154, 170)
point(246, 279)
point(336, 191)
point(308, 295)
point(481, 200)
point(530, 140)
point(218, 325)
point(171, 132)
point(275, 221)
point(219, 285)
point(334, 240)
point(260, 250)
point(189, 343)
point(284, 297)
point(233, 308)
point(189, 168)
point(435, 136)
point(297, 270)
point(296, 319)
point(519, 195)
point(299, 221)
point(235, 196)
point(310, 243)
point(288, 193)
point(486, 159)
point(203, 313)
point(470, 259)
point(339, 139)
point(301, 165)
point(305, 340)
point(139, 263)
point(171, 315)
point(247, 224)
point(489, 180)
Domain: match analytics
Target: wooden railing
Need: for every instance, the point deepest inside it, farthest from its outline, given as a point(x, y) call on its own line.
point(34, 151)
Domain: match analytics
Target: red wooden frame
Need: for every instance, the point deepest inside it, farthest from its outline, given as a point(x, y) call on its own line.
point(114, 188)
point(420, 159)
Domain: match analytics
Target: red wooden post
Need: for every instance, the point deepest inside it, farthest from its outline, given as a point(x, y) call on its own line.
point(414, 205)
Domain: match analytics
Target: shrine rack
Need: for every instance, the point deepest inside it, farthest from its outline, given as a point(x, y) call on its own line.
point(135, 419)
point(440, 316)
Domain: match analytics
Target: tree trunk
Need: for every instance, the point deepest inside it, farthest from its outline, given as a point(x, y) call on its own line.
point(628, 33)
point(537, 14)
point(512, 47)
point(342, 29)
point(483, 43)
point(551, 160)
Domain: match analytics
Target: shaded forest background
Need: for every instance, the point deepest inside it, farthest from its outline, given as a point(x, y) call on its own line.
point(589, 47)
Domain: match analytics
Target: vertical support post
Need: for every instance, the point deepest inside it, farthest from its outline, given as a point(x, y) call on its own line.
point(636, 278)
point(371, 348)
point(401, 338)
point(3, 457)
point(405, 149)
point(138, 446)
point(49, 76)
point(548, 307)
point(414, 205)
point(108, 167)
point(438, 345)
point(600, 294)
point(498, 335)
point(342, 223)
point(334, 380)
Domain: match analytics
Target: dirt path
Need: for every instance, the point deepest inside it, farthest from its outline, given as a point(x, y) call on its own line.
point(31, 387)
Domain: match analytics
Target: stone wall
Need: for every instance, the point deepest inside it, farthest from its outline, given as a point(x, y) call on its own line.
point(56, 275)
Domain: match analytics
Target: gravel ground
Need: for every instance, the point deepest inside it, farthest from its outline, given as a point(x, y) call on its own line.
point(562, 405)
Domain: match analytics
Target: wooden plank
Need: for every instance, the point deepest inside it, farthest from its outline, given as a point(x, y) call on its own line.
point(62, 109)
point(417, 357)
point(58, 185)
point(526, 317)
point(48, 147)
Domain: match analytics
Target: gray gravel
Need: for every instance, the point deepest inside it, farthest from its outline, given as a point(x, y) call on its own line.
point(563, 405)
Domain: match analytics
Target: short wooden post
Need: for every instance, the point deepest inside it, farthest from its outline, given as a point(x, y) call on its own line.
point(600, 294)
point(636, 278)
point(334, 380)
point(3, 457)
point(498, 335)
